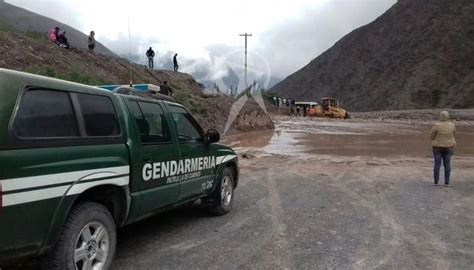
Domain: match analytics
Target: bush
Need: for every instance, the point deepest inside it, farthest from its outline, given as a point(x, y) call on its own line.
point(4, 31)
point(36, 35)
point(68, 76)
point(44, 71)
point(82, 78)
point(4, 28)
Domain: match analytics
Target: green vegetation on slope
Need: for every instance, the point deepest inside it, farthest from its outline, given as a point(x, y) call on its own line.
point(33, 53)
point(68, 76)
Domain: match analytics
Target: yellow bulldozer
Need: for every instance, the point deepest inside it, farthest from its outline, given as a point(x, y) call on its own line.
point(328, 107)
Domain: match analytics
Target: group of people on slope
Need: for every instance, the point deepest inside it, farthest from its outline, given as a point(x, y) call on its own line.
point(150, 54)
point(59, 38)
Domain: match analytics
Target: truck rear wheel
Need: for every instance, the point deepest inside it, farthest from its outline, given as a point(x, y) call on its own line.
point(87, 241)
point(223, 196)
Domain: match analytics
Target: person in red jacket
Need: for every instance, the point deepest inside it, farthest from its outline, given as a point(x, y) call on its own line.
point(53, 37)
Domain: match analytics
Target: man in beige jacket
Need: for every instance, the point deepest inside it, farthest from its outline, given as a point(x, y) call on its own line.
point(443, 142)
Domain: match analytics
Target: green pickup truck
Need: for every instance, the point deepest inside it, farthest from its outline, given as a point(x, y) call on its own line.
point(76, 162)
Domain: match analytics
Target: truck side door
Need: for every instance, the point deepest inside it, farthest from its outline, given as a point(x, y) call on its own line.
point(198, 163)
point(157, 150)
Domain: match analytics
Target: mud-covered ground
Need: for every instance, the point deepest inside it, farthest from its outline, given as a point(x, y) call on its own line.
point(324, 194)
point(318, 194)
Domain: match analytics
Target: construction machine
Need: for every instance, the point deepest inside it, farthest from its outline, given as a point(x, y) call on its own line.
point(328, 107)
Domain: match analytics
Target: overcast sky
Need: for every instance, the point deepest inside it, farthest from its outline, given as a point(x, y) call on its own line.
point(287, 34)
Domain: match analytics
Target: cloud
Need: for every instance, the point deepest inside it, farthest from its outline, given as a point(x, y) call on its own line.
point(290, 46)
point(286, 35)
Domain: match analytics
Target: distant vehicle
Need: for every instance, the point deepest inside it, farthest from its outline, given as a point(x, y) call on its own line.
point(77, 161)
point(308, 104)
point(329, 107)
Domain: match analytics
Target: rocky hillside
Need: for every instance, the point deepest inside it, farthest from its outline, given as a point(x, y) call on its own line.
point(30, 23)
point(419, 54)
point(35, 54)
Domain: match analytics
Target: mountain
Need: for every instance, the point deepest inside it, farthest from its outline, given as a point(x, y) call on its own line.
point(234, 79)
point(418, 54)
point(22, 20)
point(35, 54)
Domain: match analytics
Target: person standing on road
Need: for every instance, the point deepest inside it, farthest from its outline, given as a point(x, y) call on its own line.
point(91, 41)
point(150, 54)
point(165, 89)
point(443, 142)
point(175, 62)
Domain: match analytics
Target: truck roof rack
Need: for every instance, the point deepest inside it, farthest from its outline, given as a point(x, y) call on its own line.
point(141, 90)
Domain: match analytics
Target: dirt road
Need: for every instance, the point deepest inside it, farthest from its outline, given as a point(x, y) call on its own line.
point(324, 195)
point(321, 194)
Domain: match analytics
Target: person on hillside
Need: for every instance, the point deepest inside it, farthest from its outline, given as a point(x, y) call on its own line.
point(91, 41)
point(53, 37)
point(175, 62)
point(150, 54)
point(63, 40)
point(165, 89)
point(443, 142)
point(292, 107)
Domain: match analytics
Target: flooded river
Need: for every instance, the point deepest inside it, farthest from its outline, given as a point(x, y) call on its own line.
point(344, 138)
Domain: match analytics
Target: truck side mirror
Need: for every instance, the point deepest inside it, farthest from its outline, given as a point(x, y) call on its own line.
point(212, 136)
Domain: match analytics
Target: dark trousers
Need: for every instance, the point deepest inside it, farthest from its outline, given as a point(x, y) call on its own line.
point(150, 62)
point(175, 67)
point(442, 154)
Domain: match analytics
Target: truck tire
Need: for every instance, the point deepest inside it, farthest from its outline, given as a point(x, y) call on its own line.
point(87, 240)
point(223, 195)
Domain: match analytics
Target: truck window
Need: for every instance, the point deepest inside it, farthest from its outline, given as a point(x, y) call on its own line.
point(151, 122)
point(45, 114)
point(187, 128)
point(99, 115)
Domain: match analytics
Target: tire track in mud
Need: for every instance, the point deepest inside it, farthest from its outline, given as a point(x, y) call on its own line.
point(449, 199)
point(390, 229)
point(398, 240)
point(279, 246)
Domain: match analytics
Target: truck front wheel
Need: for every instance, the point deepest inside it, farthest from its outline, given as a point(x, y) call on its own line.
point(223, 196)
point(87, 241)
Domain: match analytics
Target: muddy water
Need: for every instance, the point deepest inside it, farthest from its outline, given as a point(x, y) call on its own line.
point(351, 139)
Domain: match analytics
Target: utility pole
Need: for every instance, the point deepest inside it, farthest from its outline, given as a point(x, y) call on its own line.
point(245, 35)
point(130, 53)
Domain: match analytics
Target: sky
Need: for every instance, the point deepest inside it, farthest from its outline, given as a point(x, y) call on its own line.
point(286, 34)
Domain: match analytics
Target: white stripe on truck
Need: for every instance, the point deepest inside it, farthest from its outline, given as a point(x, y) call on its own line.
point(26, 196)
point(58, 178)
